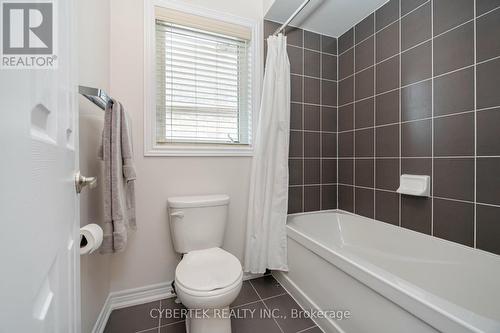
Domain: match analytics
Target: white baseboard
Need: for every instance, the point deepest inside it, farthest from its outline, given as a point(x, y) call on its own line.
point(326, 324)
point(123, 298)
point(102, 319)
point(129, 297)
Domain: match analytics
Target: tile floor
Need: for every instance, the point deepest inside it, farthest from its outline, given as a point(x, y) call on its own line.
point(257, 295)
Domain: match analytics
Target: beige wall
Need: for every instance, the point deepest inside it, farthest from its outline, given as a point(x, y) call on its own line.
point(93, 68)
point(150, 258)
point(252, 9)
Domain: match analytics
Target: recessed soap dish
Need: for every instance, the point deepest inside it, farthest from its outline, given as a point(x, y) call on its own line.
point(417, 185)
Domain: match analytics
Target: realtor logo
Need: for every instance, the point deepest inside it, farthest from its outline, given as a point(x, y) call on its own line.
point(28, 35)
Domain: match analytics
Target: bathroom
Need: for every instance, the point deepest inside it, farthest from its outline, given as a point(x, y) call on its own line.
point(347, 179)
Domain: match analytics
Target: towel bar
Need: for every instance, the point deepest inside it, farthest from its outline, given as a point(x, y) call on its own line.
point(97, 96)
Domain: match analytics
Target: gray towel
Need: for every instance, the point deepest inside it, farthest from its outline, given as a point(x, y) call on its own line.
point(119, 177)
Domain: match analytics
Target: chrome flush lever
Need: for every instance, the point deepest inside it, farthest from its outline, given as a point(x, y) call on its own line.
point(82, 181)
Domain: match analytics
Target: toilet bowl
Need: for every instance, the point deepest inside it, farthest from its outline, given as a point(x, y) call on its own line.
point(207, 282)
point(208, 279)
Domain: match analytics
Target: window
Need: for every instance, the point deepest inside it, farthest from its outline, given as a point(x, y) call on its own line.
point(203, 80)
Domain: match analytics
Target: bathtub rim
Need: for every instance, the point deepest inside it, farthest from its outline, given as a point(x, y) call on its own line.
point(397, 227)
point(304, 301)
point(436, 311)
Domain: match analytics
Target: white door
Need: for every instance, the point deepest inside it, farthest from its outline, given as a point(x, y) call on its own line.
point(39, 218)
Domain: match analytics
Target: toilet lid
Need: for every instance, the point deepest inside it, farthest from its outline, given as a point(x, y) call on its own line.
point(207, 270)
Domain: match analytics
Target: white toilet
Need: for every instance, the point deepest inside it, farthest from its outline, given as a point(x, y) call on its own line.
point(208, 279)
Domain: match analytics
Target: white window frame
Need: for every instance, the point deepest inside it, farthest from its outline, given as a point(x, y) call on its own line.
point(151, 147)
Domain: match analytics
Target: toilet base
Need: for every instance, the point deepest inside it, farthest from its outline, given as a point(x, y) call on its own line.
point(212, 321)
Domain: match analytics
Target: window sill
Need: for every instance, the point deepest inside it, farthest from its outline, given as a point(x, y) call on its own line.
point(198, 150)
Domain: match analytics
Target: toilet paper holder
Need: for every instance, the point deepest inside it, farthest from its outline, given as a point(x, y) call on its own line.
point(91, 237)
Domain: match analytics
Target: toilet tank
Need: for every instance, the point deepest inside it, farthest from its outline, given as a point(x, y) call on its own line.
point(197, 222)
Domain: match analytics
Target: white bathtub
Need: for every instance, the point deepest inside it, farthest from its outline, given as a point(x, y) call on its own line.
point(389, 278)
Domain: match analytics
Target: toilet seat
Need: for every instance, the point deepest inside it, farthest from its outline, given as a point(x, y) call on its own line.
point(208, 272)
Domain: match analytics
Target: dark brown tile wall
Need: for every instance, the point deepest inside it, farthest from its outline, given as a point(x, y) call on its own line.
point(313, 119)
point(418, 93)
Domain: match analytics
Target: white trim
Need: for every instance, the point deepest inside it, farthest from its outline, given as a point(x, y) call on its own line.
point(102, 319)
point(305, 302)
point(129, 297)
point(151, 148)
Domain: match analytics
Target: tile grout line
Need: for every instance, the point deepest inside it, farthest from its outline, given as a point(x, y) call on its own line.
point(382, 28)
point(487, 60)
point(310, 76)
point(307, 329)
point(436, 197)
point(401, 16)
point(434, 116)
point(410, 48)
point(314, 158)
point(400, 127)
point(159, 319)
point(320, 127)
point(374, 119)
point(259, 300)
point(354, 120)
point(337, 125)
point(396, 21)
point(312, 185)
point(315, 131)
point(255, 289)
point(313, 50)
point(303, 127)
point(313, 104)
point(486, 13)
point(148, 329)
point(455, 200)
point(265, 305)
point(487, 204)
point(407, 121)
point(420, 157)
point(453, 71)
point(172, 324)
point(475, 126)
point(416, 82)
point(432, 113)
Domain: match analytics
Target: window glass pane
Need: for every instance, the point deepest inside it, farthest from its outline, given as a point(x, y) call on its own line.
point(203, 86)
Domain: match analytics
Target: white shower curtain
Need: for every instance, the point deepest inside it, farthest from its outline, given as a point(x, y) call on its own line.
point(267, 210)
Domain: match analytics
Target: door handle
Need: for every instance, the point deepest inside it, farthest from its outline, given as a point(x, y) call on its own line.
point(82, 181)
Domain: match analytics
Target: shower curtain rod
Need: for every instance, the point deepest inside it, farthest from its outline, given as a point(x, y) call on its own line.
point(295, 13)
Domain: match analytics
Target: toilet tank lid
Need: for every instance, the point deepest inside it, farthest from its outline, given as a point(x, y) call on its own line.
point(198, 201)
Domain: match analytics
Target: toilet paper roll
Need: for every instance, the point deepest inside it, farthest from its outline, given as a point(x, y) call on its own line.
point(90, 238)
